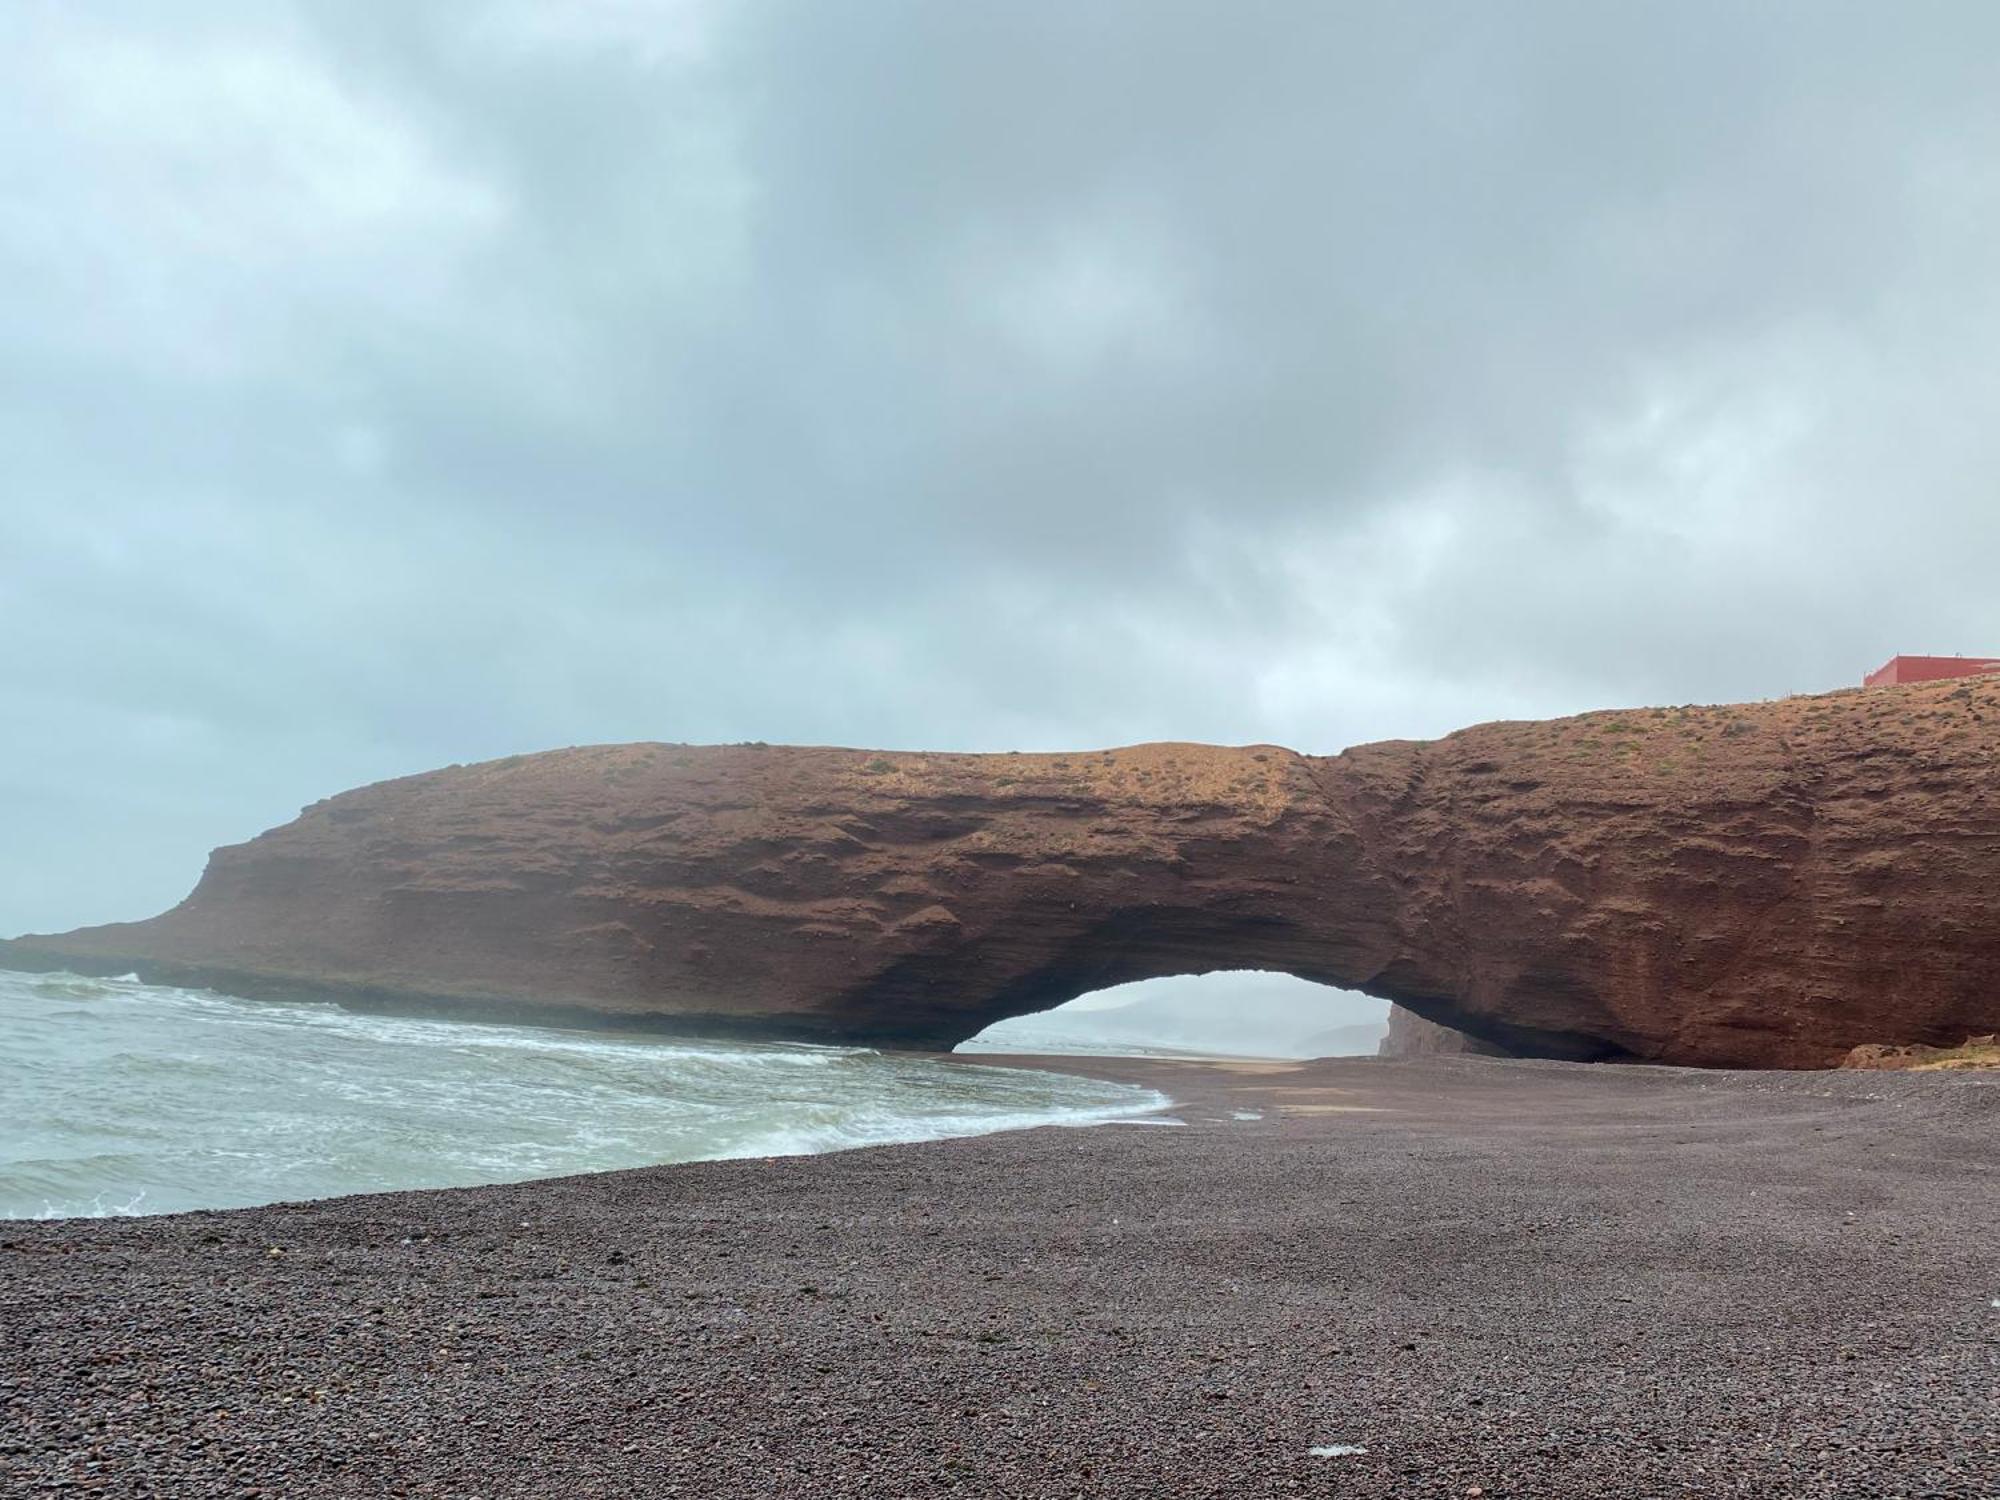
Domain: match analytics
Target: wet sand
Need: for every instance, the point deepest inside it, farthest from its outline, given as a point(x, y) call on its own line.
point(1496, 1278)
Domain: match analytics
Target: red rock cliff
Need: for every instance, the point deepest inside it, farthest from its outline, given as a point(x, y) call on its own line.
point(1762, 885)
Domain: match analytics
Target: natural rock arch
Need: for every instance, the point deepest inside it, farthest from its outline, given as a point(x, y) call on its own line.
point(1761, 885)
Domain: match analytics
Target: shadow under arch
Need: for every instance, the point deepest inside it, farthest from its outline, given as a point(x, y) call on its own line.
point(1159, 940)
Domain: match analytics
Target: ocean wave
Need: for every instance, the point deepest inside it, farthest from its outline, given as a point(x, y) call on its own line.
point(127, 1098)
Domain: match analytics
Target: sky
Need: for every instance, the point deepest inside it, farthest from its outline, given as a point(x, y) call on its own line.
point(389, 384)
point(1249, 1012)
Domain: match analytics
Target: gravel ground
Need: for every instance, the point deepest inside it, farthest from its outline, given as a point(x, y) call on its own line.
point(1461, 1277)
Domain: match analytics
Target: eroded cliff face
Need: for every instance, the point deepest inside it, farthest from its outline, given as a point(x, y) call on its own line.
point(1410, 1035)
point(1767, 885)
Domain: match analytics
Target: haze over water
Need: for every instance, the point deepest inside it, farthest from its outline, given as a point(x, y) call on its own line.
point(119, 1097)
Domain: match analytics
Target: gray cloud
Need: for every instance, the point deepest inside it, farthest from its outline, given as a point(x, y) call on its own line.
point(389, 385)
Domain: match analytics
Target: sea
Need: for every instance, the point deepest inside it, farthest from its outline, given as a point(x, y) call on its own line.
point(124, 1098)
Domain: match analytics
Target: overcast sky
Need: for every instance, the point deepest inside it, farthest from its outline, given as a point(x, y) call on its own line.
point(392, 384)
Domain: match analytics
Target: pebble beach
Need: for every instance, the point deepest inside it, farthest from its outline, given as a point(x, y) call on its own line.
point(1355, 1277)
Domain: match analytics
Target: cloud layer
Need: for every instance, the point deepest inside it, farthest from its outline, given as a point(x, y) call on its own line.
point(396, 384)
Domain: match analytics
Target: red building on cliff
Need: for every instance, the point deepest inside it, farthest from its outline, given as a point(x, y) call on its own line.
point(1900, 669)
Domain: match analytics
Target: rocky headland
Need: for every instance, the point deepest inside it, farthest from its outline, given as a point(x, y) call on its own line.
point(1761, 885)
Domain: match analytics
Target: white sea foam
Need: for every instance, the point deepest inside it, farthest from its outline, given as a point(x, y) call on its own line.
point(883, 1128)
point(94, 1208)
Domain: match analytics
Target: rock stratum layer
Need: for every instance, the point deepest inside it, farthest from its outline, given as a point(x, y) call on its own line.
point(1765, 885)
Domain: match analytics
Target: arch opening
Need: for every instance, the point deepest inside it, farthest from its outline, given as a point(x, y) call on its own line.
point(1224, 1012)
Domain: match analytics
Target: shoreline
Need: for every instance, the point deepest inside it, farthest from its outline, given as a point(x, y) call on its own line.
point(1205, 1080)
point(1520, 1278)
